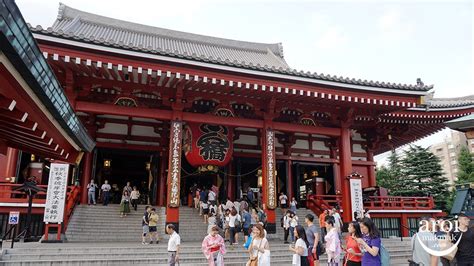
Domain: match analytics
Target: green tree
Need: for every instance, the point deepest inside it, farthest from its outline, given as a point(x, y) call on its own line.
point(422, 175)
point(388, 176)
point(384, 177)
point(466, 166)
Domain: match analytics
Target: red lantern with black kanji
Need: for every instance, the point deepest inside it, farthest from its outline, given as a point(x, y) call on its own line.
point(206, 144)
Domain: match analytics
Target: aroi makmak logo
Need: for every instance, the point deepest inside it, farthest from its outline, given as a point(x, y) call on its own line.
point(438, 243)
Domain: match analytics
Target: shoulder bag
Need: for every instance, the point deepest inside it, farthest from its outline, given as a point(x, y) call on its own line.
point(253, 261)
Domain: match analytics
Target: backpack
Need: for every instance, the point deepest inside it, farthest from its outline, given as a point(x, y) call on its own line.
point(263, 216)
point(384, 256)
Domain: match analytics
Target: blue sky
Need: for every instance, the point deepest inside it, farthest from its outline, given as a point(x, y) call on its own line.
point(395, 41)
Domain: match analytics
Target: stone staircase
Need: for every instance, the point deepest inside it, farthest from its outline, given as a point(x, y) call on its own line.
point(97, 223)
point(133, 253)
point(98, 236)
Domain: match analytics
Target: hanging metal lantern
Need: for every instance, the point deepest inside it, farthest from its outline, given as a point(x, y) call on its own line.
point(206, 144)
point(107, 163)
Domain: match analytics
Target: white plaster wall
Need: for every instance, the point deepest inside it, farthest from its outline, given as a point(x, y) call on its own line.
point(358, 148)
point(301, 144)
point(319, 145)
point(144, 131)
point(114, 128)
point(247, 139)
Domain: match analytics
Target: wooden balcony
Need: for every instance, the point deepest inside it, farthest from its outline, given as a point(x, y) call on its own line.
point(318, 203)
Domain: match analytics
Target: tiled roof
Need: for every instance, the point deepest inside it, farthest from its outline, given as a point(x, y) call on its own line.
point(91, 28)
point(451, 102)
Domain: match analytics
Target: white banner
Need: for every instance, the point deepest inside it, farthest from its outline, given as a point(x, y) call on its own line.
point(56, 195)
point(356, 197)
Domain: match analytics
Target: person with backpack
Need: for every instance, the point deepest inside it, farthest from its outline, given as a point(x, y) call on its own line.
point(247, 219)
point(370, 243)
point(300, 249)
point(262, 216)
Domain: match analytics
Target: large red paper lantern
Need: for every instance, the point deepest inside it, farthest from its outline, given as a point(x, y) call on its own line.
point(206, 144)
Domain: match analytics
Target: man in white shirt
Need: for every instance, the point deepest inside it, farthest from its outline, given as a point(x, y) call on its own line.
point(105, 192)
point(283, 203)
point(212, 197)
point(173, 244)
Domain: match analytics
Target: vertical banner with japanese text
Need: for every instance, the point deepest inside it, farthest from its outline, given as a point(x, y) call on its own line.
point(56, 195)
point(270, 167)
point(356, 197)
point(174, 167)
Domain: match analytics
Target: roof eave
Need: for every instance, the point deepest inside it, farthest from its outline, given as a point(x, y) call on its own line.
point(225, 66)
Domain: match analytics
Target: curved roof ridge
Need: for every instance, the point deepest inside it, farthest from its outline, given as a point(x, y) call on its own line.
point(460, 98)
point(467, 100)
point(66, 12)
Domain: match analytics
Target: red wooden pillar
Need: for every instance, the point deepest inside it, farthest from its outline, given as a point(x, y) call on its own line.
point(268, 177)
point(404, 225)
point(174, 174)
point(371, 173)
point(336, 171)
point(289, 181)
point(12, 162)
point(231, 182)
point(162, 185)
point(86, 176)
point(345, 160)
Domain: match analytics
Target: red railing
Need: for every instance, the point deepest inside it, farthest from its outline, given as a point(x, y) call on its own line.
point(319, 203)
point(399, 203)
point(8, 195)
point(73, 198)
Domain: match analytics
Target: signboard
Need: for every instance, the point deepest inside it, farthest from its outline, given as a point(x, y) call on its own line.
point(356, 197)
point(56, 195)
point(270, 169)
point(174, 172)
point(14, 218)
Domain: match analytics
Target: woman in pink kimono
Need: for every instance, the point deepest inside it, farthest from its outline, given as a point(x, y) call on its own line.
point(333, 243)
point(213, 247)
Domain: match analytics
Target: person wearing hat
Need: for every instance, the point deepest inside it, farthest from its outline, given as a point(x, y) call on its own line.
point(213, 247)
point(465, 254)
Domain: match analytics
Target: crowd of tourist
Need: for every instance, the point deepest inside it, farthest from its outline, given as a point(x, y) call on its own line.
point(308, 239)
point(129, 198)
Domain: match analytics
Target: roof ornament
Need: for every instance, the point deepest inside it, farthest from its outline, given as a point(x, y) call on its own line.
point(419, 83)
point(61, 10)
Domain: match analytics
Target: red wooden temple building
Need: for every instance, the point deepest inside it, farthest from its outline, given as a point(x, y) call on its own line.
point(169, 109)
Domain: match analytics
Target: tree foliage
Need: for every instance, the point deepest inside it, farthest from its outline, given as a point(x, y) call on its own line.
point(417, 173)
point(466, 166)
